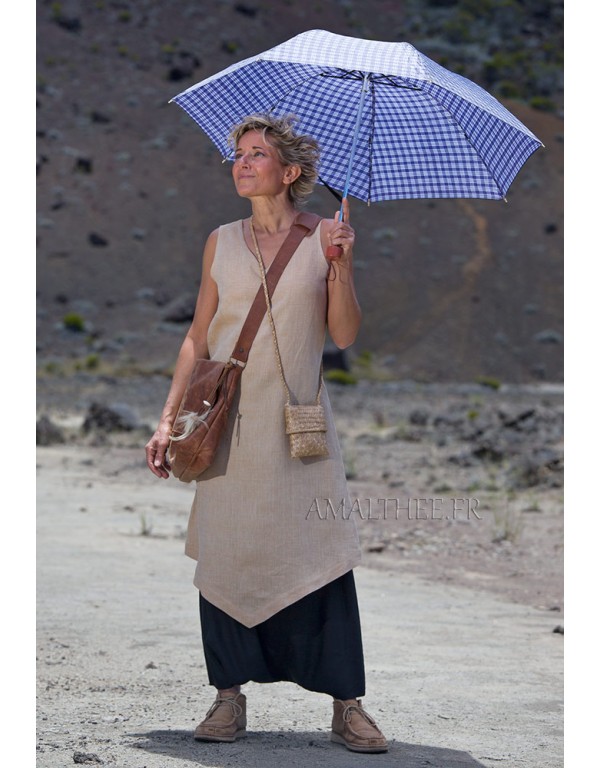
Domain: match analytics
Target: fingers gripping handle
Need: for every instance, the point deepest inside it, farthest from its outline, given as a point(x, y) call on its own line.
point(335, 252)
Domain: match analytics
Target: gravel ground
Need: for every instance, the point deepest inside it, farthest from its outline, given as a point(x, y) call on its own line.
point(461, 601)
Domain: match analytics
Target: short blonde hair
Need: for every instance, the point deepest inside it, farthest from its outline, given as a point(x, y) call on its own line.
point(293, 148)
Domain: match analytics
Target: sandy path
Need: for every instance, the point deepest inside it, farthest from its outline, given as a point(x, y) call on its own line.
point(457, 678)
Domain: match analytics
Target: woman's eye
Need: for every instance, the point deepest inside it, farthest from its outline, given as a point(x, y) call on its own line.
point(256, 153)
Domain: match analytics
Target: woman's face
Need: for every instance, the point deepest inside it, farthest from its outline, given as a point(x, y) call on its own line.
point(257, 169)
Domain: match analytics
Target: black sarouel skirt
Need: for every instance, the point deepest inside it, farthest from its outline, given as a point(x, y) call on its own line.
point(316, 642)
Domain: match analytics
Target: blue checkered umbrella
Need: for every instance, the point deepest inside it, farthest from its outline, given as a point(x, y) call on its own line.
point(391, 122)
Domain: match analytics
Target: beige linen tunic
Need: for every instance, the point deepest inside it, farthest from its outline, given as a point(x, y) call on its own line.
point(254, 527)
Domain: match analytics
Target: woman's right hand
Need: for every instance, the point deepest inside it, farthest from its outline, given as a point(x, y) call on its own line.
point(194, 346)
point(156, 451)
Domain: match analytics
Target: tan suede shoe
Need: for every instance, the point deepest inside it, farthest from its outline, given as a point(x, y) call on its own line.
point(353, 727)
point(224, 721)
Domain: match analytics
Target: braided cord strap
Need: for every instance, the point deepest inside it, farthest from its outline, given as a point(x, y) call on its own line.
point(263, 276)
point(305, 425)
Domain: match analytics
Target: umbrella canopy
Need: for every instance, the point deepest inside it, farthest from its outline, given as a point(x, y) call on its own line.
point(391, 122)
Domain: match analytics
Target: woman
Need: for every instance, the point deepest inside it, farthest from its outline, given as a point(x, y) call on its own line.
point(277, 594)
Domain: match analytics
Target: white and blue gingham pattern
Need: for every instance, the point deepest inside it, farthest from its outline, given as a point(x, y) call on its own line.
point(425, 131)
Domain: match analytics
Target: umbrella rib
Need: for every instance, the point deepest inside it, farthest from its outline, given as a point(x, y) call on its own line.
point(388, 80)
point(468, 140)
point(351, 74)
point(292, 89)
point(333, 191)
point(371, 137)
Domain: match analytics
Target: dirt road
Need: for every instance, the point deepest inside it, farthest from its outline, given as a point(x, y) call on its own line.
point(457, 676)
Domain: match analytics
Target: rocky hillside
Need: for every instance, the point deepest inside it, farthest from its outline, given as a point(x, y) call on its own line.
point(129, 188)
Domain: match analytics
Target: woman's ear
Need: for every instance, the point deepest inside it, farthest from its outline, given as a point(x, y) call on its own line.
point(291, 173)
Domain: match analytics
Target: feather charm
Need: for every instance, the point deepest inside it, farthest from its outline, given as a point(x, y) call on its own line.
point(188, 421)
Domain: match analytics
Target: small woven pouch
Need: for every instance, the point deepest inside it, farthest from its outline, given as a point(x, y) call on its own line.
point(306, 428)
point(305, 425)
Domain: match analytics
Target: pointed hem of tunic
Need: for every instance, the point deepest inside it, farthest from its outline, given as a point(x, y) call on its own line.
point(251, 619)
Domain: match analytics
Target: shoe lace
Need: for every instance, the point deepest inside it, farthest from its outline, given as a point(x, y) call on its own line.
point(236, 708)
point(350, 708)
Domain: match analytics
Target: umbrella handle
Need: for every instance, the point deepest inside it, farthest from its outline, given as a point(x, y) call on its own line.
point(334, 252)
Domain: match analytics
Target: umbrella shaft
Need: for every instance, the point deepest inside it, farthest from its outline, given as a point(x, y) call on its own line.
point(359, 111)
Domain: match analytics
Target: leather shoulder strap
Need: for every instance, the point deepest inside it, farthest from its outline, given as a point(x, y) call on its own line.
point(308, 220)
point(304, 224)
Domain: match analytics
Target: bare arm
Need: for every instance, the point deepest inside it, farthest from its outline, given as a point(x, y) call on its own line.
point(194, 346)
point(343, 311)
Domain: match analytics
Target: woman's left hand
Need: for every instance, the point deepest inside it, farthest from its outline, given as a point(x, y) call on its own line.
point(156, 451)
point(341, 235)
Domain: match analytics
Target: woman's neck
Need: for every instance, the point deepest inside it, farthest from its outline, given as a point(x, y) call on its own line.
point(271, 216)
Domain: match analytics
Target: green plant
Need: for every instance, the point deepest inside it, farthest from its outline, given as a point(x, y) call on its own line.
point(74, 322)
point(508, 89)
point(489, 381)
point(350, 466)
point(459, 29)
point(364, 358)
point(543, 103)
point(476, 8)
point(508, 524)
point(145, 526)
point(338, 376)
point(534, 506)
point(169, 47)
point(505, 65)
